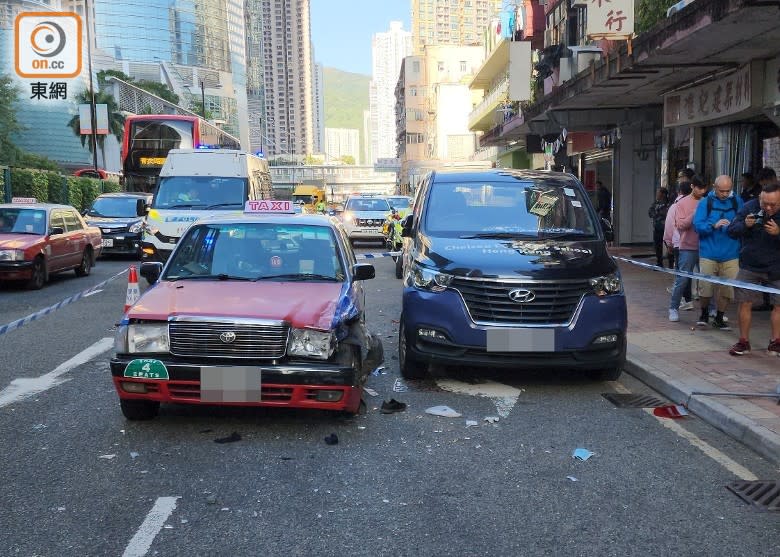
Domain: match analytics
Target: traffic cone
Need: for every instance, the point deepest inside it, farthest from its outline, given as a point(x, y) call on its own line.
point(133, 292)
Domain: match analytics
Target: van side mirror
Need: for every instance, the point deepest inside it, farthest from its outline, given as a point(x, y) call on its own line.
point(363, 271)
point(140, 208)
point(151, 271)
point(406, 226)
point(609, 232)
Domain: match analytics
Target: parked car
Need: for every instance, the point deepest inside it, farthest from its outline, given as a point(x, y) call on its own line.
point(40, 239)
point(116, 214)
point(249, 310)
point(364, 216)
point(509, 268)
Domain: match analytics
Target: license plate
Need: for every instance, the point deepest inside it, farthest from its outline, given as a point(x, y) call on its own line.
point(521, 340)
point(108, 242)
point(230, 384)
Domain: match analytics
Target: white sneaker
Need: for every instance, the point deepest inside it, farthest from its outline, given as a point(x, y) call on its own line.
point(713, 314)
point(686, 306)
point(674, 315)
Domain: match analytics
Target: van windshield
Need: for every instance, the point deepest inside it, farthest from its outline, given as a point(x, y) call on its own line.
point(200, 192)
point(530, 208)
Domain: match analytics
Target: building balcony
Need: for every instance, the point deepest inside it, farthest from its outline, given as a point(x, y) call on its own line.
point(484, 116)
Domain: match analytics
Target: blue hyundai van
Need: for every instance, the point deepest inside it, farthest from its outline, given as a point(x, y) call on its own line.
point(509, 268)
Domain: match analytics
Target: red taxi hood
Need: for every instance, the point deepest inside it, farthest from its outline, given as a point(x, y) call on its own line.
point(18, 241)
point(302, 304)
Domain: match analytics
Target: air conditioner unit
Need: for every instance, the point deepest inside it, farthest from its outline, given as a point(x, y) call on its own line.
point(674, 8)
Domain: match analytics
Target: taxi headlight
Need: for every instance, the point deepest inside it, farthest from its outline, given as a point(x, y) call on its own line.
point(427, 279)
point(11, 255)
point(609, 284)
point(136, 228)
point(311, 344)
point(148, 337)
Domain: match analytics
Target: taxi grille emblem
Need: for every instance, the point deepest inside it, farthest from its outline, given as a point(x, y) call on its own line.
point(227, 337)
point(521, 296)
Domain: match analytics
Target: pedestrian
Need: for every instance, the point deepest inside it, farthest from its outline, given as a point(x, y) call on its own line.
point(672, 242)
point(604, 201)
point(757, 225)
point(657, 212)
point(684, 176)
point(689, 243)
point(750, 187)
point(766, 176)
point(718, 252)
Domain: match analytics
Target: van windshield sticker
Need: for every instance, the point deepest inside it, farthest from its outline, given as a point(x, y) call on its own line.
point(576, 204)
point(543, 205)
point(569, 192)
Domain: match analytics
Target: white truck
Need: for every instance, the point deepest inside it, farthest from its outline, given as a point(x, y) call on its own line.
point(199, 182)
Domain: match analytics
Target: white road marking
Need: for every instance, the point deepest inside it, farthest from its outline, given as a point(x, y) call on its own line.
point(729, 464)
point(151, 526)
point(88, 294)
point(503, 396)
point(25, 387)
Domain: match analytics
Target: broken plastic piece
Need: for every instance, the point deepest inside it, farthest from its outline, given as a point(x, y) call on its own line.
point(582, 454)
point(370, 391)
point(572, 478)
point(378, 371)
point(399, 386)
point(491, 419)
point(470, 423)
point(671, 411)
point(232, 438)
point(332, 439)
point(133, 455)
point(444, 411)
point(107, 456)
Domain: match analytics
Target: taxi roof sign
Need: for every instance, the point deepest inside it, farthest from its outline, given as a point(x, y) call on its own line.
point(24, 200)
point(269, 206)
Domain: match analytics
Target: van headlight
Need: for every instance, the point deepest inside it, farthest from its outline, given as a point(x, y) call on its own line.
point(311, 344)
point(428, 279)
point(148, 337)
point(136, 228)
point(608, 284)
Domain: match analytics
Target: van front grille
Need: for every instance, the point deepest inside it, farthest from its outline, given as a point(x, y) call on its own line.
point(489, 301)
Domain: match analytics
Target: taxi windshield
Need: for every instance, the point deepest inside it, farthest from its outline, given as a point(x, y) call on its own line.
point(257, 252)
point(22, 221)
point(522, 209)
point(200, 192)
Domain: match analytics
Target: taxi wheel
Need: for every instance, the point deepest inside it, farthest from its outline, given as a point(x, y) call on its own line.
point(38, 277)
point(610, 374)
point(139, 409)
point(410, 367)
point(86, 264)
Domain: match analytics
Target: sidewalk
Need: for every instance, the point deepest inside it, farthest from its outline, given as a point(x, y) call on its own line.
point(676, 360)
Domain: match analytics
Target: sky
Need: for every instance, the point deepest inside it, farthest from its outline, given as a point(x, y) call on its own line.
point(341, 30)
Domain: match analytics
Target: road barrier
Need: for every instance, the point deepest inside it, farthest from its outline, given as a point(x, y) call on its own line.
point(377, 255)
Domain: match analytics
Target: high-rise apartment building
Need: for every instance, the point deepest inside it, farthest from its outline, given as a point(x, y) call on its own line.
point(451, 22)
point(318, 108)
point(342, 142)
point(280, 32)
point(388, 51)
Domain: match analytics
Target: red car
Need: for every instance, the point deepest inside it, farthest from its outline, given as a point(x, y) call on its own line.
point(39, 239)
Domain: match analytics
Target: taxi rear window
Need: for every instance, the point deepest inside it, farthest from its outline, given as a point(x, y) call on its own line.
point(257, 251)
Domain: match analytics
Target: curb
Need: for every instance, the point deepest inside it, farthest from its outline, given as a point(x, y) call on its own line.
point(661, 376)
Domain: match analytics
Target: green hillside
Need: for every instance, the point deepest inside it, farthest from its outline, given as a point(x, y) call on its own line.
point(346, 97)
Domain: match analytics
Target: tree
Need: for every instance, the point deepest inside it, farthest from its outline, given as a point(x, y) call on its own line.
point(197, 108)
point(9, 125)
point(311, 160)
point(650, 12)
point(103, 74)
point(116, 120)
point(347, 159)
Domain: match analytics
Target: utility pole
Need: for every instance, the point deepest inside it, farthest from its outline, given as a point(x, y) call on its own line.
point(203, 98)
point(92, 108)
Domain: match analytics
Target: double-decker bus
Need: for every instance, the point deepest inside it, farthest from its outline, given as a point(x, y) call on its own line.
point(148, 138)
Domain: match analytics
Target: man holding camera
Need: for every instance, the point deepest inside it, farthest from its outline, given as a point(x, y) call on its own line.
point(757, 224)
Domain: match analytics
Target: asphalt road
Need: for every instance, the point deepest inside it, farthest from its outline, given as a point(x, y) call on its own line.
point(77, 479)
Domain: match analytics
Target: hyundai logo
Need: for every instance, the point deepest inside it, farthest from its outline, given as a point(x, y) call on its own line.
point(521, 296)
point(227, 337)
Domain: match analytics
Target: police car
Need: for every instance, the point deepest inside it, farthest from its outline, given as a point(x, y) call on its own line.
point(261, 308)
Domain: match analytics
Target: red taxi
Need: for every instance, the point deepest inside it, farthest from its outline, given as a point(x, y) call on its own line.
point(255, 309)
point(40, 239)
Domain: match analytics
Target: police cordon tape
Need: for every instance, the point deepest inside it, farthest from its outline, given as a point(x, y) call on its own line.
point(699, 276)
point(7, 328)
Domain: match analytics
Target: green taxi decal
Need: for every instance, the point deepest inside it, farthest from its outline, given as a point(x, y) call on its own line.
point(146, 369)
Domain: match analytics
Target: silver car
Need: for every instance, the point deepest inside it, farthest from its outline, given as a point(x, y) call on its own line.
point(363, 218)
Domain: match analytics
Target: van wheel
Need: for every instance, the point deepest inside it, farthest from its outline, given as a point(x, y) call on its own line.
point(411, 368)
point(399, 268)
point(609, 374)
point(136, 410)
point(86, 264)
point(38, 276)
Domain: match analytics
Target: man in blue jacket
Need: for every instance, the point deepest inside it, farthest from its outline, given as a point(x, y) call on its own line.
point(758, 225)
point(718, 252)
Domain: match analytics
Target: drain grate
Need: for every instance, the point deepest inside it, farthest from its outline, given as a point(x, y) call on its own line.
point(633, 401)
point(763, 495)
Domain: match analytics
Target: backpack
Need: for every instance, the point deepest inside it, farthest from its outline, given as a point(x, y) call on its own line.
point(711, 201)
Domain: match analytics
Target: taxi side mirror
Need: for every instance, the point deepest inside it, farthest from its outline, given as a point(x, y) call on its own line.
point(54, 230)
point(141, 208)
point(406, 226)
point(363, 271)
point(151, 271)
